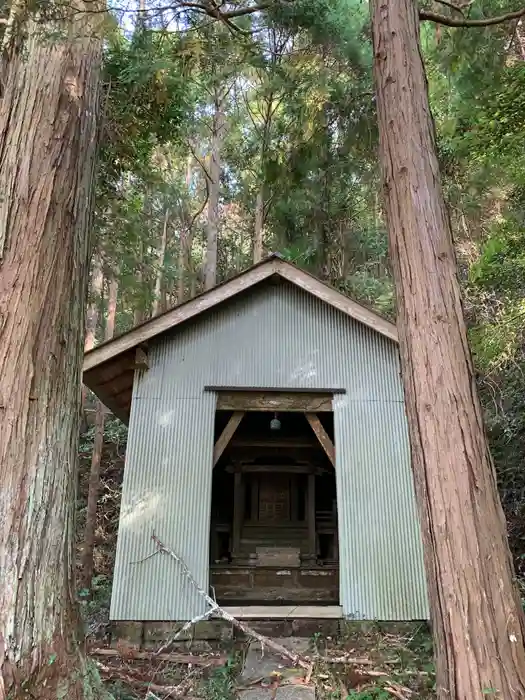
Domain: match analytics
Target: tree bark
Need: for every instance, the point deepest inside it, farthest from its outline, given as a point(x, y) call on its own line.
point(138, 311)
point(259, 226)
point(97, 281)
point(158, 304)
point(212, 224)
point(475, 607)
point(48, 130)
point(96, 457)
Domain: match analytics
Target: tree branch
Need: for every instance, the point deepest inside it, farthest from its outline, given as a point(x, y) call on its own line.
point(427, 15)
point(212, 10)
point(455, 8)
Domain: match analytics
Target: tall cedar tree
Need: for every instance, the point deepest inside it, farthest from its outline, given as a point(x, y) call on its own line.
point(48, 131)
point(475, 607)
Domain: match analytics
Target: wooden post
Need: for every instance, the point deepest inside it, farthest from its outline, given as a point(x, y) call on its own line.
point(255, 499)
point(238, 512)
point(294, 492)
point(310, 517)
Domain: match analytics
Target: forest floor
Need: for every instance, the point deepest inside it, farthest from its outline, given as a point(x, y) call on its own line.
point(368, 663)
point(396, 661)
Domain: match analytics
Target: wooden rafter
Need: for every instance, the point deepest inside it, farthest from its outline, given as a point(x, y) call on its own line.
point(322, 436)
point(226, 435)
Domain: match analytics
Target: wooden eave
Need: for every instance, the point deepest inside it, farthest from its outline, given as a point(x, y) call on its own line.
point(108, 369)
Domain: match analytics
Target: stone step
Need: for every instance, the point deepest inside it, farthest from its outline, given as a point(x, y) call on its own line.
point(263, 665)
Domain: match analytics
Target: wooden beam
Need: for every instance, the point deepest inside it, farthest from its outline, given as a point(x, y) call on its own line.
point(322, 436)
point(273, 401)
point(272, 443)
point(226, 435)
point(275, 468)
point(141, 359)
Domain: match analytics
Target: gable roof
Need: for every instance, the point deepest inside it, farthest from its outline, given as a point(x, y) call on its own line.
point(109, 368)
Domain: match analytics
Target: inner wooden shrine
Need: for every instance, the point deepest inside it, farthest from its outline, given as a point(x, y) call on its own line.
point(274, 506)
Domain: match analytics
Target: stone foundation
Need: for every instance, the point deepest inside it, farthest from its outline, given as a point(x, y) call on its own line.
point(213, 635)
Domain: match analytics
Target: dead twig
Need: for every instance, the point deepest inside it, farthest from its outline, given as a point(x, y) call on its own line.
point(398, 691)
point(344, 660)
point(187, 659)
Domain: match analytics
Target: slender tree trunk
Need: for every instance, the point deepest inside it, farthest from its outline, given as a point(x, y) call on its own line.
point(48, 129)
point(138, 311)
point(212, 225)
point(96, 457)
point(259, 226)
point(520, 36)
point(158, 304)
point(97, 281)
point(475, 607)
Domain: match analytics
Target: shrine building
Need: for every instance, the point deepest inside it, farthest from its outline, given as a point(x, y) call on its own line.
point(268, 449)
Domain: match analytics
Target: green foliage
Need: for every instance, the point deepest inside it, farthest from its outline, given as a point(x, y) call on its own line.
point(115, 432)
point(371, 694)
point(147, 98)
point(221, 684)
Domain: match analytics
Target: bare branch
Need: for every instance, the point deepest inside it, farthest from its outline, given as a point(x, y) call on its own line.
point(455, 8)
point(215, 609)
point(207, 175)
point(427, 15)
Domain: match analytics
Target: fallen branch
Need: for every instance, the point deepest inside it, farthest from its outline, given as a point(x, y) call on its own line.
point(398, 691)
point(344, 660)
point(215, 609)
point(153, 656)
point(112, 673)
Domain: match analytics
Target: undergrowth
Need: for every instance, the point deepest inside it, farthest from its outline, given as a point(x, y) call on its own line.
point(221, 683)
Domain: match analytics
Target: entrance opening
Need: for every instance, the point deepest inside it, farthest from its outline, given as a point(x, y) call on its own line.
point(274, 508)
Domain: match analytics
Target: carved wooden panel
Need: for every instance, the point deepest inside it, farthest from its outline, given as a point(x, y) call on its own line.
point(274, 498)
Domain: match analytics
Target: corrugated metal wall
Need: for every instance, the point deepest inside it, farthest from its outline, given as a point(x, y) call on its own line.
point(280, 337)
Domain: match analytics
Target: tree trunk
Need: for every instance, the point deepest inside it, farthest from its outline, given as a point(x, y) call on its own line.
point(158, 305)
point(212, 224)
point(475, 607)
point(96, 457)
point(97, 281)
point(48, 129)
point(259, 226)
point(138, 311)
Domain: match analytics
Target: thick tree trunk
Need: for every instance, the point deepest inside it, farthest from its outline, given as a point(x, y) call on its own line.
point(48, 128)
point(96, 457)
point(475, 607)
point(158, 304)
point(212, 224)
point(259, 226)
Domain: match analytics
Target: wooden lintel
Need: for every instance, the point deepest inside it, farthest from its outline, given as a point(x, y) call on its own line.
point(141, 359)
point(275, 468)
point(226, 435)
point(322, 436)
point(273, 401)
point(275, 443)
